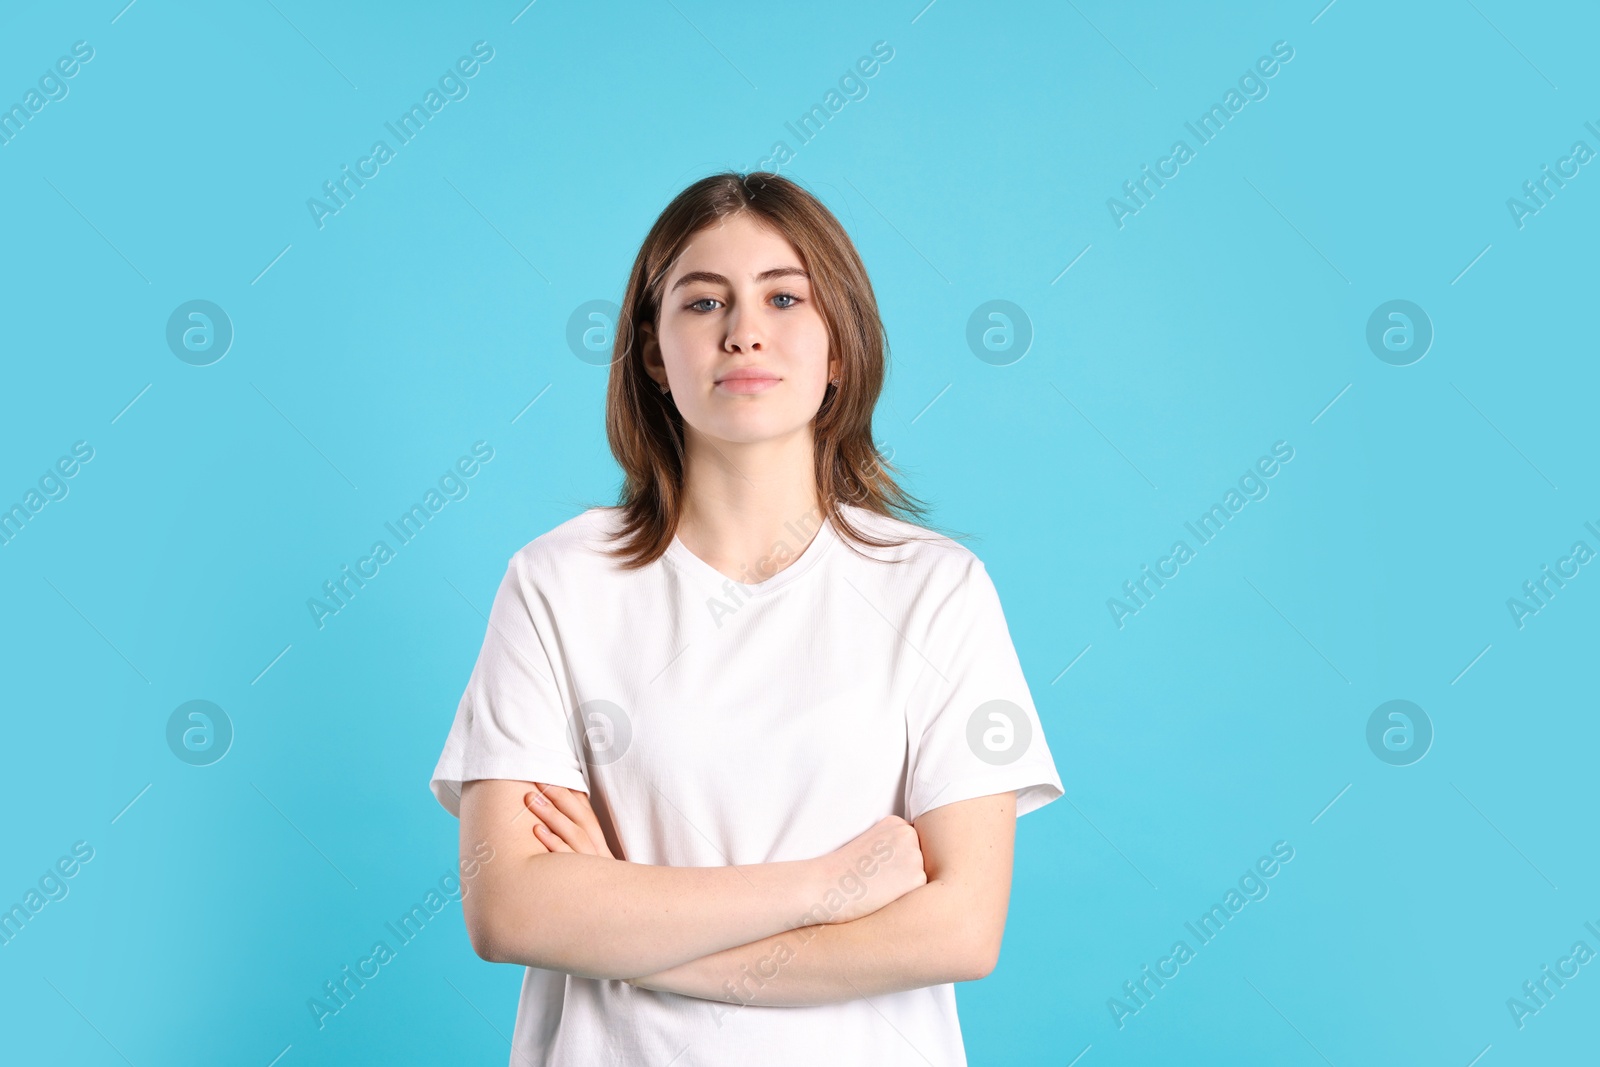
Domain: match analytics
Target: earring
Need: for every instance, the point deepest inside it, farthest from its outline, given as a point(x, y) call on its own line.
point(835, 381)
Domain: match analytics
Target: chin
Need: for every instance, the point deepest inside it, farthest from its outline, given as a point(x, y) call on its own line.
point(756, 427)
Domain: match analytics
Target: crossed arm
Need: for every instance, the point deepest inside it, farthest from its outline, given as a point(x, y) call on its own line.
point(553, 896)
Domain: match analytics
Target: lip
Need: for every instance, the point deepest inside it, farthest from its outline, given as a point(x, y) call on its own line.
point(748, 380)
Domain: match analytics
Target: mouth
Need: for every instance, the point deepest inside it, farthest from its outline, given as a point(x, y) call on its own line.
point(748, 382)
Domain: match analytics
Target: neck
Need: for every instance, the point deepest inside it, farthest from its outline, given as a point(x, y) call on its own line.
point(750, 508)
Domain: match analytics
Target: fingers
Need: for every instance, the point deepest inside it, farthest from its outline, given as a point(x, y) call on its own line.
point(575, 806)
point(558, 832)
point(539, 842)
point(551, 842)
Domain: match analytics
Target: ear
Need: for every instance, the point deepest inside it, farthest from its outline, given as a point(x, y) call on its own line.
point(650, 354)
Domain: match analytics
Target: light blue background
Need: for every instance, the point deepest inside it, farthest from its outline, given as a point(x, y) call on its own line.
point(1228, 314)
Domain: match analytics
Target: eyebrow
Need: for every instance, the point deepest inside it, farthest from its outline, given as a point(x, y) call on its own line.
point(717, 279)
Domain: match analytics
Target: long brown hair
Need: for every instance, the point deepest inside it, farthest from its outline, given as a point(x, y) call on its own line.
point(643, 425)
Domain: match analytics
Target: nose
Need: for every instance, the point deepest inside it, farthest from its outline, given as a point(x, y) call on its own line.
point(744, 334)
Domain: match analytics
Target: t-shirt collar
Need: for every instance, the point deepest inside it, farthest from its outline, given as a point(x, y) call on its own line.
point(705, 573)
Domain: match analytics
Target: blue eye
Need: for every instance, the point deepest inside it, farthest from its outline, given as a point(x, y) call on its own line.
point(695, 305)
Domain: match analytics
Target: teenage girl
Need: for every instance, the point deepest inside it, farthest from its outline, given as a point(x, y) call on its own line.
point(739, 764)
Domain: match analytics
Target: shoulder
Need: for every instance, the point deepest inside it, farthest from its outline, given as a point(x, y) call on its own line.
point(920, 542)
point(579, 544)
point(925, 555)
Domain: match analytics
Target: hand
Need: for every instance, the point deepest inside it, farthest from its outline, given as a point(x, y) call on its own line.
point(564, 822)
point(878, 867)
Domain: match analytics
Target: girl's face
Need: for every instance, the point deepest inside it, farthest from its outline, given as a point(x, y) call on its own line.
point(741, 342)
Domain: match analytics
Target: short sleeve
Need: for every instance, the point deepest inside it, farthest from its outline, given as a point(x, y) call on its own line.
point(973, 728)
point(511, 721)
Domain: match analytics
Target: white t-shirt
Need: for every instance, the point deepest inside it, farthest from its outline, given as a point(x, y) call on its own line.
point(713, 723)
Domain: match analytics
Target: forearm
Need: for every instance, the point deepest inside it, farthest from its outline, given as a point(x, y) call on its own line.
point(597, 917)
point(918, 940)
